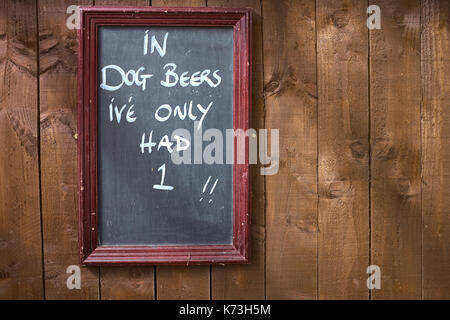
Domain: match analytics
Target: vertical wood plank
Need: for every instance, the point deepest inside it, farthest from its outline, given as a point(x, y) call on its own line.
point(289, 36)
point(342, 48)
point(58, 93)
point(436, 148)
point(395, 143)
point(20, 220)
point(126, 282)
point(248, 281)
point(179, 282)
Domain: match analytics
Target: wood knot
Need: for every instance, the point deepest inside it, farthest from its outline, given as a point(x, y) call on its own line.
point(272, 87)
point(404, 188)
point(340, 18)
point(339, 189)
point(45, 45)
point(22, 55)
point(398, 18)
point(135, 275)
point(358, 150)
point(302, 225)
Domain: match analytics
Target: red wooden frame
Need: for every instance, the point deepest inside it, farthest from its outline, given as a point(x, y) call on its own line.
point(90, 19)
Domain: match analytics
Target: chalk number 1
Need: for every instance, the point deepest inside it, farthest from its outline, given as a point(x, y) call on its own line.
point(161, 186)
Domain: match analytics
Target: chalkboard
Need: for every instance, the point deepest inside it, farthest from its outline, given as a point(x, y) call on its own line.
point(164, 135)
point(195, 204)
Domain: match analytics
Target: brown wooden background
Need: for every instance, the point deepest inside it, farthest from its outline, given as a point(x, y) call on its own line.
point(364, 119)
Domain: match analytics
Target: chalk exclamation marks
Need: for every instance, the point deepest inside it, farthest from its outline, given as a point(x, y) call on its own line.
point(212, 189)
point(204, 187)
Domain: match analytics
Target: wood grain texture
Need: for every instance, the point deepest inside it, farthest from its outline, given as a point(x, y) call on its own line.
point(303, 261)
point(139, 3)
point(182, 282)
point(58, 93)
point(395, 145)
point(124, 283)
point(342, 52)
point(127, 283)
point(436, 148)
point(248, 281)
point(178, 3)
point(20, 221)
point(291, 106)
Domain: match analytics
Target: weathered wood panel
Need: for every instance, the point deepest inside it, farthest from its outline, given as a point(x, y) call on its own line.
point(395, 145)
point(20, 220)
point(436, 148)
point(248, 281)
point(58, 123)
point(291, 106)
point(316, 248)
point(126, 282)
point(342, 53)
point(182, 282)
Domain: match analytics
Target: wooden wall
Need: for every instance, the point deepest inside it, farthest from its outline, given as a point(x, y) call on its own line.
point(364, 172)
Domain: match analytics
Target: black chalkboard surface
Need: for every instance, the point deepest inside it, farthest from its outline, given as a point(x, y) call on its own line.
point(144, 198)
